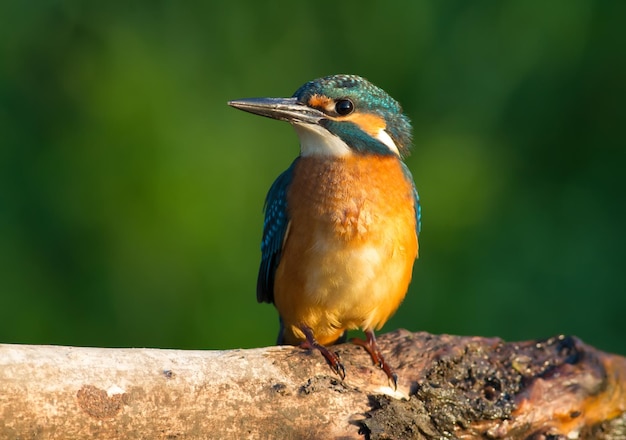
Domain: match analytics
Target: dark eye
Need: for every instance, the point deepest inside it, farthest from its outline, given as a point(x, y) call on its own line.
point(344, 107)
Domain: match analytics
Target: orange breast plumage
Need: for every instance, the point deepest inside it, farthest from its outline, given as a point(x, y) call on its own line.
point(351, 242)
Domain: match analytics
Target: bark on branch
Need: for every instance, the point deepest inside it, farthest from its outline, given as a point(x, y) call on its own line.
point(449, 387)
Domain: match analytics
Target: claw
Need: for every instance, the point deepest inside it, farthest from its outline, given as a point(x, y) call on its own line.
point(371, 347)
point(331, 357)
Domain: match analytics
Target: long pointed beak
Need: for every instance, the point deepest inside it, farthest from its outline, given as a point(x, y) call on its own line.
point(283, 109)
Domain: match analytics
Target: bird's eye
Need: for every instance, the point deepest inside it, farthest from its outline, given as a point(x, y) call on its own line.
point(344, 107)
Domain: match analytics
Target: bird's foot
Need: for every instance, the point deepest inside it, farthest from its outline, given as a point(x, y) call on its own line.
point(371, 347)
point(331, 357)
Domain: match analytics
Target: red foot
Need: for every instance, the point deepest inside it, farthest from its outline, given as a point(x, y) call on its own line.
point(331, 357)
point(372, 348)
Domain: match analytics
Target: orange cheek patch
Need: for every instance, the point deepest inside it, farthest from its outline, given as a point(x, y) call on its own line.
point(369, 123)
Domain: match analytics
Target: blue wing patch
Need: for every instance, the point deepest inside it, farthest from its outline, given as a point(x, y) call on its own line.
point(416, 199)
point(274, 228)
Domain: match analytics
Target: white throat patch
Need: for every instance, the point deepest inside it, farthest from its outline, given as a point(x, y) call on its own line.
point(317, 141)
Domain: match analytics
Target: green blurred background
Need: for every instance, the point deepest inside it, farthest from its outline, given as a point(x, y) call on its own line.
point(131, 195)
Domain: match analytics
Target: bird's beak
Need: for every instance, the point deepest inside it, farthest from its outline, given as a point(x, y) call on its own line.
point(283, 109)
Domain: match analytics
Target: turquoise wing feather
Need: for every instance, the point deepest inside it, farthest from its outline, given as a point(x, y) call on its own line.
point(274, 229)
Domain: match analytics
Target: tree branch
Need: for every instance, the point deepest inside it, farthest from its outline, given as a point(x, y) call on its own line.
point(449, 387)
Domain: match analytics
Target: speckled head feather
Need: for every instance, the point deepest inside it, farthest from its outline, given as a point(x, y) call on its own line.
point(367, 98)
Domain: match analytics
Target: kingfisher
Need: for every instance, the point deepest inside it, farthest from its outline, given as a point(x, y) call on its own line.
point(342, 222)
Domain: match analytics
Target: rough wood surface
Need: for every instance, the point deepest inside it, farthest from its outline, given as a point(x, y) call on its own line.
point(449, 387)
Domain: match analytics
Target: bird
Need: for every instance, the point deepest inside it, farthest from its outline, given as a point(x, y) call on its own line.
point(341, 226)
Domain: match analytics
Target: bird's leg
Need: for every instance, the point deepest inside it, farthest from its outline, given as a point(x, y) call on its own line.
point(331, 357)
point(371, 347)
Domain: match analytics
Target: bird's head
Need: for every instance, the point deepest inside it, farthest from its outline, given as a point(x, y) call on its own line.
point(339, 115)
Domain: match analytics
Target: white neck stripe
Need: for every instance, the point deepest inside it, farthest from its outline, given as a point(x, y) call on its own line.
point(384, 137)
